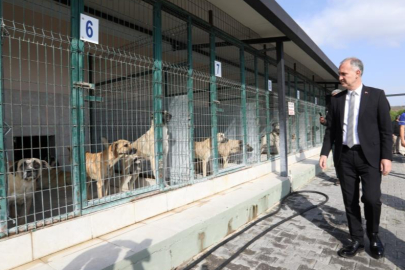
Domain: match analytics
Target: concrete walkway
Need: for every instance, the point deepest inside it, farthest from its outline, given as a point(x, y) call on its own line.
point(312, 240)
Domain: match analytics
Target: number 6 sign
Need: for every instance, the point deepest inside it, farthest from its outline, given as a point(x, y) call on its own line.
point(88, 28)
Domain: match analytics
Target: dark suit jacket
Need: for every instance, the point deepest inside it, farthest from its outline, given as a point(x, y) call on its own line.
point(374, 126)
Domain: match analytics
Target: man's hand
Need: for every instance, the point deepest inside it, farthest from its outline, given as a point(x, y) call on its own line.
point(385, 166)
point(322, 162)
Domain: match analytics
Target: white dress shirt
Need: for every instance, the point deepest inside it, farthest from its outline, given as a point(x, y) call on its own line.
point(356, 114)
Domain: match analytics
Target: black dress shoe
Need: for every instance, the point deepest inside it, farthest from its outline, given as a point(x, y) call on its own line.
point(376, 246)
point(351, 250)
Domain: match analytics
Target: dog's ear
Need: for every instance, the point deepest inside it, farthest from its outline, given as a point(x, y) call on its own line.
point(13, 167)
point(45, 164)
point(114, 147)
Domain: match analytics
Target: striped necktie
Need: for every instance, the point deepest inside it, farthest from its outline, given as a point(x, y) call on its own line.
point(350, 121)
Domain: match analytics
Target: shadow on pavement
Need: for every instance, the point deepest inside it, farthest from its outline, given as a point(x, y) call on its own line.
point(105, 255)
point(330, 219)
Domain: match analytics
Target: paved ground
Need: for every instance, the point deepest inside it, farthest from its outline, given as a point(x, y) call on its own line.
point(311, 241)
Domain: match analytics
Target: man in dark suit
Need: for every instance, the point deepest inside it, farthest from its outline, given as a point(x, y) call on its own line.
point(359, 125)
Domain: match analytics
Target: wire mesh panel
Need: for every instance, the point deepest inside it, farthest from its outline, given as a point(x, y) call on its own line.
point(36, 103)
point(119, 113)
point(292, 125)
point(301, 116)
point(252, 103)
point(263, 131)
point(313, 125)
point(230, 105)
point(203, 147)
point(175, 76)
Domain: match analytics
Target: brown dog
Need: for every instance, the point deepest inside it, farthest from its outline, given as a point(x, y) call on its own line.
point(146, 143)
point(202, 150)
point(231, 147)
point(21, 181)
point(53, 178)
point(99, 166)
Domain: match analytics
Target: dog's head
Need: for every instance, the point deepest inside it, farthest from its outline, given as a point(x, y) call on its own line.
point(121, 148)
point(221, 138)
point(166, 117)
point(276, 127)
point(237, 147)
point(29, 168)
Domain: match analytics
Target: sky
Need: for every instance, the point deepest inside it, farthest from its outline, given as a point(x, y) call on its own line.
point(371, 30)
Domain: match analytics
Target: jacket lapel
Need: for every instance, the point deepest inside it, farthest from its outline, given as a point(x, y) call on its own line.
point(364, 98)
point(342, 104)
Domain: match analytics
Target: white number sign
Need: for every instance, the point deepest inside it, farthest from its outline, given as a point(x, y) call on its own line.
point(218, 69)
point(270, 86)
point(88, 29)
point(291, 108)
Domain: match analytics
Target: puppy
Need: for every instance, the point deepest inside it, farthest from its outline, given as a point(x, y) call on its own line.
point(146, 143)
point(274, 141)
point(99, 166)
point(21, 181)
point(130, 170)
point(202, 150)
point(231, 147)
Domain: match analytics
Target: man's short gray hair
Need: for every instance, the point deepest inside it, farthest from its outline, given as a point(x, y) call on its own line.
point(355, 62)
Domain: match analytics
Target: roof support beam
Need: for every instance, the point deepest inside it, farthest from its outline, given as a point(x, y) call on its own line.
point(282, 109)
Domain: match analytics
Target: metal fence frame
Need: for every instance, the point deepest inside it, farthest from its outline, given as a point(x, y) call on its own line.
point(77, 48)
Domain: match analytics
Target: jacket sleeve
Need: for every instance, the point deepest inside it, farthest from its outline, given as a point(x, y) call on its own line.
point(385, 127)
point(329, 137)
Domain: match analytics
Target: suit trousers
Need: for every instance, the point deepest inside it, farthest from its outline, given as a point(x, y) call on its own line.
point(353, 168)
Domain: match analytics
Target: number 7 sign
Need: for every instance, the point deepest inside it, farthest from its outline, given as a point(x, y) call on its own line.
point(218, 69)
point(88, 28)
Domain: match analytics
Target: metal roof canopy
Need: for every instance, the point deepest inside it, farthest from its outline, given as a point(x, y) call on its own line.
point(268, 19)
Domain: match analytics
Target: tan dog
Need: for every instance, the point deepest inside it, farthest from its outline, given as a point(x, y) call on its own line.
point(202, 150)
point(146, 143)
point(231, 147)
point(99, 166)
point(21, 181)
point(274, 141)
point(130, 168)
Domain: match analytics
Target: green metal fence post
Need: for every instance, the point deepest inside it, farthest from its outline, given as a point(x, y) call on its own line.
point(213, 97)
point(288, 115)
point(297, 117)
point(266, 87)
point(3, 186)
point(76, 103)
point(306, 113)
point(243, 92)
point(157, 91)
point(257, 107)
point(190, 95)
